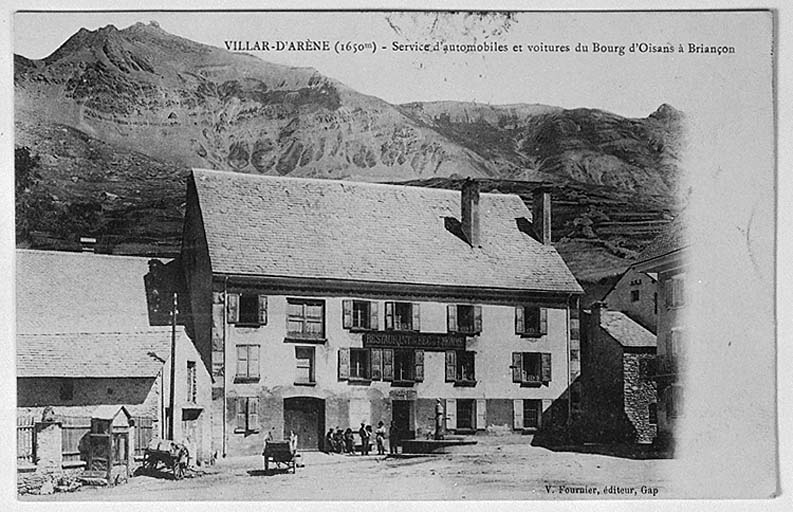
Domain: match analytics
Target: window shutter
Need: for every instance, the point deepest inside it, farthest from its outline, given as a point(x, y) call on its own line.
point(374, 322)
point(419, 374)
point(377, 363)
point(481, 415)
point(477, 319)
point(517, 414)
point(253, 361)
point(253, 413)
point(262, 309)
point(241, 412)
point(520, 325)
point(545, 370)
point(388, 364)
point(451, 365)
point(242, 361)
point(451, 414)
point(344, 363)
point(451, 317)
point(517, 366)
point(346, 314)
point(233, 308)
point(389, 316)
point(416, 317)
point(543, 320)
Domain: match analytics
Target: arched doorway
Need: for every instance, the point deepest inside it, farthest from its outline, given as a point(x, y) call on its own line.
point(305, 416)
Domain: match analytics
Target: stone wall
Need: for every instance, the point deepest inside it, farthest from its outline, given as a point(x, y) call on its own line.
point(640, 392)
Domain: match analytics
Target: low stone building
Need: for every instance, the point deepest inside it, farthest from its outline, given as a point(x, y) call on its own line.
point(617, 374)
point(325, 304)
point(85, 339)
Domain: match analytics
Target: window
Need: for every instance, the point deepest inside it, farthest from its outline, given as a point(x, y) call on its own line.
point(634, 295)
point(655, 303)
point(465, 414)
point(247, 362)
point(191, 381)
point(402, 316)
point(218, 357)
point(246, 309)
point(531, 320)
point(67, 389)
point(403, 365)
point(305, 319)
point(675, 292)
point(247, 414)
point(304, 357)
point(531, 368)
point(460, 367)
point(359, 314)
point(674, 402)
point(464, 318)
point(532, 409)
point(359, 364)
point(652, 414)
point(575, 354)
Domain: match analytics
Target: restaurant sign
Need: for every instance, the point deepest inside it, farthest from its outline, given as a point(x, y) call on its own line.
point(426, 341)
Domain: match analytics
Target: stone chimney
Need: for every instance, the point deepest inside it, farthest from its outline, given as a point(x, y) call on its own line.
point(598, 308)
point(470, 211)
point(88, 244)
point(541, 215)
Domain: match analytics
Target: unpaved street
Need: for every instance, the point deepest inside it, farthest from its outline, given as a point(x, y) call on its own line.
point(497, 468)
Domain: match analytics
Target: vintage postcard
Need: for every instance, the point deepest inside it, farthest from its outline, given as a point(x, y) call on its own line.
point(394, 255)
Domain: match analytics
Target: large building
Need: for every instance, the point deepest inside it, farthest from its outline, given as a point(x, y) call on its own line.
point(323, 303)
point(667, 256)
point(87, 337)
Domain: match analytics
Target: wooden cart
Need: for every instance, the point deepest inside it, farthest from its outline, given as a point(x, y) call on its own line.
point(283, 454)
point(166, 454)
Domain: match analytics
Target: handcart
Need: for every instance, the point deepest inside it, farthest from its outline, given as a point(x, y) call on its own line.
point(283, 454)
point(167, 454)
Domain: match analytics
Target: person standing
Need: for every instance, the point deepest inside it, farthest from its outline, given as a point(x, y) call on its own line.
point(364, 439)
point(393, 438)
point(380, 438)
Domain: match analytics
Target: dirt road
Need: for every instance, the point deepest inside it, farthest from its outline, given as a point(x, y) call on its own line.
point(499, 468)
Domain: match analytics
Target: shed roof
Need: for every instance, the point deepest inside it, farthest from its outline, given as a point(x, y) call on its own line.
point(625, 331)
point(311, 228)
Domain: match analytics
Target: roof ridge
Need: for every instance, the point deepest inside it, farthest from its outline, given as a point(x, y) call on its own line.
point(371, 184)
point(72, 333)
point(92, 254)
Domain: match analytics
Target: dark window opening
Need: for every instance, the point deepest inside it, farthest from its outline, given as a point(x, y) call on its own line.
point(465, 367)
point(361, 314)
point(465, 414)
point(359, 363)
point(531, 413)
point(634, 295)
point(403, 316)
point(249, 309)
point(652, 413)
point(531, 371)
point(404, 363)
point(465, 319)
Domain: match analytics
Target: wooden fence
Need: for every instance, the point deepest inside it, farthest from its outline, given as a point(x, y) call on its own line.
point(26, 439)
point(73, 429)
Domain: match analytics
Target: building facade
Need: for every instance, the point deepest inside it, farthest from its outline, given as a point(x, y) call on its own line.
point(667, 257)
point(618, 370)
point(324, 304)
point(85, 339)
point(636, 294)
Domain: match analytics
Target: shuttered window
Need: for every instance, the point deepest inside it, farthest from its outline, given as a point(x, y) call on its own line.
point(246, 309)
point(532, 409)
point(464, 318)
point(305, 319)
point(360, 314)
point(460, 367)
point(247, 414)
point(304, 365)
point(531, 367)
point(247, 362)
point(359, 364)
point(531, 321)
point(402, 316)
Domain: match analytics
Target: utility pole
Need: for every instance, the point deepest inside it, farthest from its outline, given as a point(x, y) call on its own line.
point(171, 400)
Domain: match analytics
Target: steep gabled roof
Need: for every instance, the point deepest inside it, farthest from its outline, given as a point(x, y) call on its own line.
point(625, 331)
point(310, 228)
point(58, 292)
point(106, 354)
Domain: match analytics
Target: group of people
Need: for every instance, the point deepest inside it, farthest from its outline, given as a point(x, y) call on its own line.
point(338, 441)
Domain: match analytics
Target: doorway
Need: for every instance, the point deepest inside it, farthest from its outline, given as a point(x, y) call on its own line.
point(305, 416)
point(402, 414)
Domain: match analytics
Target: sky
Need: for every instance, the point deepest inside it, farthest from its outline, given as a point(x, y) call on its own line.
point(632, 85)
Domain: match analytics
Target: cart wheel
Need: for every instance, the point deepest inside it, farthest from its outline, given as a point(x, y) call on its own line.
point(178, 471)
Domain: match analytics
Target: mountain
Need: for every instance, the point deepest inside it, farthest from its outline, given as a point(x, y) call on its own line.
point(117, 117)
